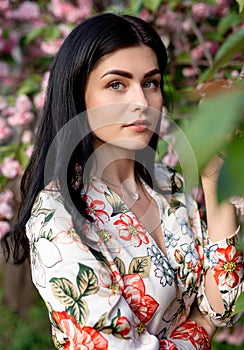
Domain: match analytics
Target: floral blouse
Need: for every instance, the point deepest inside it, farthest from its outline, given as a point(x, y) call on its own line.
point(111, 287)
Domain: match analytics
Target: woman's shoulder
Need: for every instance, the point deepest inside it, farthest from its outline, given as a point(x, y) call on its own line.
point(47, 210)
point(49, 203)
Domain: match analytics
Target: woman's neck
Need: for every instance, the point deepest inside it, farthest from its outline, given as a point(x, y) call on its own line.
point(113, 164)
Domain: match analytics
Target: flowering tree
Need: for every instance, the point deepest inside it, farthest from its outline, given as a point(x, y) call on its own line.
point(205, 40)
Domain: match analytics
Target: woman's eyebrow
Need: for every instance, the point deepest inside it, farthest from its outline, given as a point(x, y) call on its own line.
point(130, 75)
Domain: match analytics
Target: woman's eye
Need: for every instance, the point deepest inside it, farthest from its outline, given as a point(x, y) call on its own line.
point(116, 85)
point(152, 84)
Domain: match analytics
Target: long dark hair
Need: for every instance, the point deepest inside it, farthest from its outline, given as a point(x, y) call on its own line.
point(78, 55)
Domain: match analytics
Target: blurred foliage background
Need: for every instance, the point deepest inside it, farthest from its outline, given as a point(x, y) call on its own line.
point(205, 42)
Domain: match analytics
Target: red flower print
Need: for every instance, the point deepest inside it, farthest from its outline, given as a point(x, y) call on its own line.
point(122, 326)
point(95, 208)
point(143, 305)
point(130, 229)
point(79, 337)
point(229, 270)
point(165, 344)
point(193, 332)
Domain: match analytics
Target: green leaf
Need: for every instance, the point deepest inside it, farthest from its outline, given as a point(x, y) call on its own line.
point(21, 155)
point(152, 5)
point(8, 151)
point(30, 85)
point(239, 305)
point(33, 34)
point(227, 22)
point(241, 5)
point(79, 310)
point(46, 32)
point(231, 46)
point(162, 148)
point(64, 291)
point(205, 134)
point(135, 6)
point(87, 281)
point(231, 179)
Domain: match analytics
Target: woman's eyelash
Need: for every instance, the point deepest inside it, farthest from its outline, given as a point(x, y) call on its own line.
point(116, 85)
point(154, 82)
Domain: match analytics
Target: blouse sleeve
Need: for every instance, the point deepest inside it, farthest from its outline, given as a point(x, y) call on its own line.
point(83, 295)
point(225, 259)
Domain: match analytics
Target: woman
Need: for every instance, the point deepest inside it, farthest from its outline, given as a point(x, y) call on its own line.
point(118, 252)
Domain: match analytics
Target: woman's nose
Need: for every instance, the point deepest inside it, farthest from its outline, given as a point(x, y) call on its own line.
point(138, 100)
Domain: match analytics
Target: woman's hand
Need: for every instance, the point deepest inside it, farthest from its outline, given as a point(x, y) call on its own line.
point(212, 169)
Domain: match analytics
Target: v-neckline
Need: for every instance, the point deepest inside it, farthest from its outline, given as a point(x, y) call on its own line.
point(154, 195)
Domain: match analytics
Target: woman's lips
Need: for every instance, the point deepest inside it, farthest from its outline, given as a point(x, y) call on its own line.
point(138, 125)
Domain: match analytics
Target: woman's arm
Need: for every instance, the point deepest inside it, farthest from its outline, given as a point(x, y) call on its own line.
point(221, 223)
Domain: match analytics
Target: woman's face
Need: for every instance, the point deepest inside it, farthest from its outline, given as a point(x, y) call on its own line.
point(123, 97)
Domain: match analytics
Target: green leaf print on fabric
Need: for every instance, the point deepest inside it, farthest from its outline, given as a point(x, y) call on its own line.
point(120, 265)
point(79, 310)
point(116, 203)
point(66, 292)
point(140, 265)
point(101, 323)
point(49, 216)
point(174, 205)
point(87, 281)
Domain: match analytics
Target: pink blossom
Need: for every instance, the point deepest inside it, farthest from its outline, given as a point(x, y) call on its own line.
point(39, 100)
point(3, 103)
point(238, 202)
point(187, 26)
point(51, 47)
point(8, 111)
point(10, 168)
point(67, 12)
point(4, 5)
point(6, 196)
point(223, 8)
point(22, 118)
point(29, 151)
point(234, 336)
point(5, 130)
point(27, 11)
point(23, 103)
point(4, 69)
point(189, 72)
point(45, 80)
point(146, 15)
point(7, 45)
point(165, 124)
point(235, 74)
point(64, 30)
point(212, 47)
point(197, 52)
point(170, 159)
point(4, 228)
point(6, 211)
point(201, 11)
point(168, 19)
point(27, 136)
